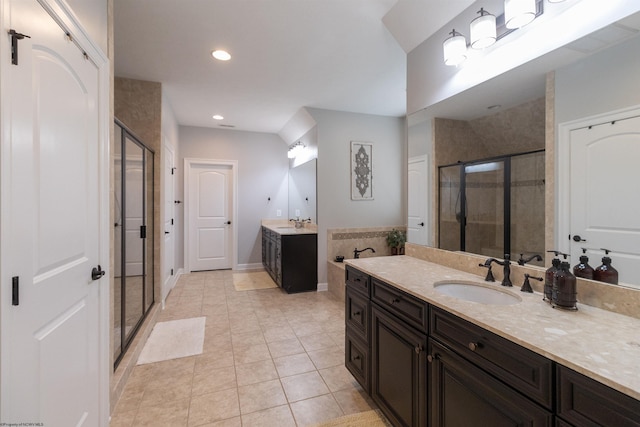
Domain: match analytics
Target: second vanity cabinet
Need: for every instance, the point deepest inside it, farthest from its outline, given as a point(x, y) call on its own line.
point(424, 366)
point(291, 259)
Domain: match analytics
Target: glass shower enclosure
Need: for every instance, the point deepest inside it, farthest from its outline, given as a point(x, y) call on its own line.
point(493, 206)
point(132, 236)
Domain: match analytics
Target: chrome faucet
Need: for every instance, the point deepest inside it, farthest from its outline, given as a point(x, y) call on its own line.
point(356, 252)
point(506, 268)
point(523, 261)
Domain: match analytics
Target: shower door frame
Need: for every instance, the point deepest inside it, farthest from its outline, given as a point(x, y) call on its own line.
point(506, 159)
point(148, 270)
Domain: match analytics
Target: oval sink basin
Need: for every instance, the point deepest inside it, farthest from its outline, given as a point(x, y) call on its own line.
point(476, 293)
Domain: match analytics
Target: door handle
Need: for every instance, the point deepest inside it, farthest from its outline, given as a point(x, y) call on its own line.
point(421, 224)
point(97, 272)
point(577, 238)
point(166, 232)
point(228, 222)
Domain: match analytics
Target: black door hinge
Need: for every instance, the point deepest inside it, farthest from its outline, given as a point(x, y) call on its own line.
point(173, 170)
point(15, 36)
point(15, 290)
point(171, 221)
point(143, 231)
point(172, 271)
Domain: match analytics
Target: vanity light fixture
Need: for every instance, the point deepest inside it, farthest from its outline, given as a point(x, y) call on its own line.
point(455, 49)
point(518, 13)
point(295, 150)
point(483, 30)
point(221, 55)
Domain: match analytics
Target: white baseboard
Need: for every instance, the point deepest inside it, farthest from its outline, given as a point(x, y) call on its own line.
point(174, 280)
point(246, 267)
point(323, 287)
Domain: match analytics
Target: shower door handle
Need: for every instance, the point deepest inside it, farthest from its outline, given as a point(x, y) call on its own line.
point(97, 272)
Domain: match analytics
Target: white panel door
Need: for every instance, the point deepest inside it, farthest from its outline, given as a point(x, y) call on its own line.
point(210, 202)
point(168, 247)
point(417, 221)
point(605, 207)
point(51, 339)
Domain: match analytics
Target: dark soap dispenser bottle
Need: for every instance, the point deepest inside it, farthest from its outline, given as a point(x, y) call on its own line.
point(563, 294)
point(583, 269)
point(549, 276)
point(605, 272)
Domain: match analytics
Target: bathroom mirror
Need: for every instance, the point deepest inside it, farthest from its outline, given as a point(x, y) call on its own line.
point(523, 87)
point(302, 191)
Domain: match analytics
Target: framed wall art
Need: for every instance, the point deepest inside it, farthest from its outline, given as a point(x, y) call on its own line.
point(361, 170)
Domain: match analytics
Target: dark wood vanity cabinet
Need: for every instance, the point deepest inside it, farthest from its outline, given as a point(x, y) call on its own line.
point(291, 260)
point(462, 394)
point(398, 369)
point(424, 366)
point(357, 312)
point(585, 402)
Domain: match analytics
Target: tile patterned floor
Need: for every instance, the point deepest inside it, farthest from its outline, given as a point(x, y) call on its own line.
point(270, 359)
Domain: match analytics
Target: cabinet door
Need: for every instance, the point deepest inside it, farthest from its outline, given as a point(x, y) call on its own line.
point(585, 402)
point(461, 394)
point(398, 367)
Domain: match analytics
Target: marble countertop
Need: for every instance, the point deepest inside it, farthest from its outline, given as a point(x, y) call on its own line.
point(597, 343)
point(288, 228)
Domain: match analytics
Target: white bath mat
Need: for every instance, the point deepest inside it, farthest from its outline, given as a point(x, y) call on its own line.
point(174, 339)
point(253, 281)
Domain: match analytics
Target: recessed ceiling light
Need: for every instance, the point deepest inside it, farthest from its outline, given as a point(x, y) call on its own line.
point(218, 117)
point(221, 55)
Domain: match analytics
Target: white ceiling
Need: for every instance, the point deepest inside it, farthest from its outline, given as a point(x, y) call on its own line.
point(286, 54)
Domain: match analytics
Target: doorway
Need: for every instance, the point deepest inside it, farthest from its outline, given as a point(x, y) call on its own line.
point(211, 234)
point(133, 237)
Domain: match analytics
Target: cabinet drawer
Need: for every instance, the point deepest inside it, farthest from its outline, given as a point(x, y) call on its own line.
point(357, 360)
point(585, 402)
point(357, 314)
point(526, 371)
point(357, 280)
point(409, 308)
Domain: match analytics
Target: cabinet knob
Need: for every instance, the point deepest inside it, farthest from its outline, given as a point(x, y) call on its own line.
point(473, 346)
point(431, 358)
point(355, 313)
point(418, 349)
point(354, 358)
point(394, 301)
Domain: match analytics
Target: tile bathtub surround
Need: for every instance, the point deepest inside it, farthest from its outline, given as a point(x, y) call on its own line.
point(269, 358)
point(342, 241)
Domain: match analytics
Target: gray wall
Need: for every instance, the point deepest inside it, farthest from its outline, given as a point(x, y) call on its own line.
point(605, 81)
point(335, 131)
point(262, 173)
point(93, 16)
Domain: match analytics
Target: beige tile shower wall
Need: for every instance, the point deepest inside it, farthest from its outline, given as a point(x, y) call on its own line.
point(343, 241)
point(613, 298)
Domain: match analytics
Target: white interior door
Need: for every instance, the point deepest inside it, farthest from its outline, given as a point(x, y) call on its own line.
point(418, 184)
point(210, 212)
point(51, 340)
point(605, 206)
point(168, 247)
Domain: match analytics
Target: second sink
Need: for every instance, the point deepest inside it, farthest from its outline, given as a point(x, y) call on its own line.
point(476, 292)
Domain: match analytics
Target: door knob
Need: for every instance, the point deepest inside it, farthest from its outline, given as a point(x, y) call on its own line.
point(421, 224)
point(166, 232)
point(577, 238)
point(97, 272)
point(228, 222)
